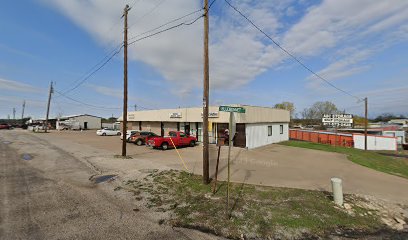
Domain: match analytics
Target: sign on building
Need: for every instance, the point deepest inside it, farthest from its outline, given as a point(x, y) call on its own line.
point(175, 115)
point(337, 120)
point(211, 114)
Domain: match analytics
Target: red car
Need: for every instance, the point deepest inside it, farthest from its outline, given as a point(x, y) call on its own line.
point(140, 138)
point(4, 126)
point(179, 139)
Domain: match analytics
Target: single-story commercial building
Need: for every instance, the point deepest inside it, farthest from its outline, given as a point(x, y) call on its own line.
point(76, 122)
point(258, 126)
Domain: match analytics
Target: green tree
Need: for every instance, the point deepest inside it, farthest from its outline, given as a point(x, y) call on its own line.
point(287, 106)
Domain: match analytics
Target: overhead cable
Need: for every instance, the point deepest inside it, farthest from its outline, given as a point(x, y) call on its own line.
point(99, 66)
point(83, 103)
point(290, 54)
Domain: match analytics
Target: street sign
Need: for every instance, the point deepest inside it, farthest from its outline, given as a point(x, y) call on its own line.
point(337, 120)
point(232, 109)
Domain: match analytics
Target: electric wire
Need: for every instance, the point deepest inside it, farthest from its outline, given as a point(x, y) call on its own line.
point(147, 13)
point(166, 29)
point(101, 64)
point(134, 3)
point(209, 7)
point(165, 24)
point(290, 54)
point(116, 51)
point(83, 103)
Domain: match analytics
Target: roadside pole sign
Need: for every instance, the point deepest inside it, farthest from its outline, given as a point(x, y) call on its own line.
point(231, 110)
point(337, 120)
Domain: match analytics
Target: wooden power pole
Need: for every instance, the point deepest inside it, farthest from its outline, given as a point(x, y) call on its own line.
point(125, 84)
point(14, 113)
point(365, 123)
point(48, 107)
point(22, 113)
point(206, 162)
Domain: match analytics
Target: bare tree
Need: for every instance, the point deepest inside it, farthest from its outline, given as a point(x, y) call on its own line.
point(318, 109)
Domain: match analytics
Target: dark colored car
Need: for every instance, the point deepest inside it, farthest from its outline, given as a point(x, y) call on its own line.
point(141, 138)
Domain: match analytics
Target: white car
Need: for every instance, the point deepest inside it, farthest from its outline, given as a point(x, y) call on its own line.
point(107, 132)
point(129, 133)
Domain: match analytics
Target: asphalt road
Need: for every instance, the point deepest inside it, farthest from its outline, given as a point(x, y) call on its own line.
point(51, 197)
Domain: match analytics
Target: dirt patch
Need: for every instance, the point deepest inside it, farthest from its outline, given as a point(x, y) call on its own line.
point(256, 212)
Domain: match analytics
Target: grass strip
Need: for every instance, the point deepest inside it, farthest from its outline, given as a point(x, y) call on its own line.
point(371, 159)
point(256, 211)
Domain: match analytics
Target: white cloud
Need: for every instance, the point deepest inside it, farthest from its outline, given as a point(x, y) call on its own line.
point(238, 53)
point(342, 68)
point(16, 86)
point(118, 93)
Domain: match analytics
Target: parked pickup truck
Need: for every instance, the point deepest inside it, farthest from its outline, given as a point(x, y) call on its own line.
point(179, 139)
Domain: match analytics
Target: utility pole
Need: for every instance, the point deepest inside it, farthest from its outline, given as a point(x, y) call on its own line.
point(135, 107)
point(14, 113)
point(365, 123)
point(125, 84)
point(48, 107)
point(22, 113)
point(206, 162)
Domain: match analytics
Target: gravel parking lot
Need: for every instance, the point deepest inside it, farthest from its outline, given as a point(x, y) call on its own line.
point(273, 165)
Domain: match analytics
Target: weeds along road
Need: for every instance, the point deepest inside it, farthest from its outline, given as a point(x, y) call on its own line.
point(51, 197)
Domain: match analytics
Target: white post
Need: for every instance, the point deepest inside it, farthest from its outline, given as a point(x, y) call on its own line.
point(337, 191)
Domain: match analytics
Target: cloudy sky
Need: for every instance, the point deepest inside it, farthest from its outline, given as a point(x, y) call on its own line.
point(359, 46)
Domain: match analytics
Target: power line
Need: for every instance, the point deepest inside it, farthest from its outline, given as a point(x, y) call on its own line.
point(104, 61)
point(167, 23)
point(290, 54)
point(96, 65)
point(80, 103)
point(134, 3)
point(116, 51)
point(209, 7)
point(147, 13)
point(83, 103)
point(166, 29)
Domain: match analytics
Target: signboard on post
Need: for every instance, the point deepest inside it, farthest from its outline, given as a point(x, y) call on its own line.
point(231, 110)
point(337, 120)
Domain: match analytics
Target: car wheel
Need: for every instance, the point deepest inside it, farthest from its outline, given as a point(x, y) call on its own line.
point(165, 146)
point(139, 142)
point(103, 134)
point(118, 134)
point(192, 143)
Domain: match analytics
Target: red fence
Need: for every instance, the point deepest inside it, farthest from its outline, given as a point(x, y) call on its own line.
point(339, 139)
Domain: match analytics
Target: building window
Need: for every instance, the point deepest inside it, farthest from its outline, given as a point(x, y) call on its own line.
point(269, 130)
point(281, 129)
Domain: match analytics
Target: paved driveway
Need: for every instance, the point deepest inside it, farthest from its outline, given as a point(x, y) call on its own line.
point(273, 165)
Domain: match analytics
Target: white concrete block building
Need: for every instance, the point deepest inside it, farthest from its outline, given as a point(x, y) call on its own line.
point(258, 126)
point(83, 121)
